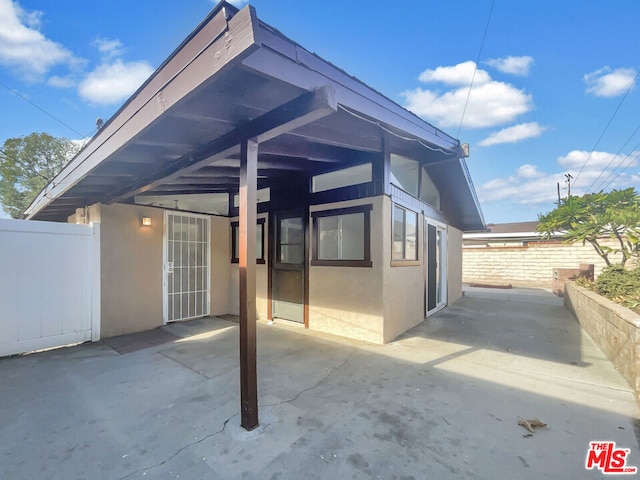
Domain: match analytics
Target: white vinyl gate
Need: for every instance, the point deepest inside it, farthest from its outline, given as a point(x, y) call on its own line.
point(49, 285)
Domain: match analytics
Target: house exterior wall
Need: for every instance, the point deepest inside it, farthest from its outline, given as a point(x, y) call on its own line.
point(220, 286)
point(404, 286)
point(349, 301)
point(454, 264)
point(131, 274)
point(131, 257)
point(233, 278)
point(527, 266)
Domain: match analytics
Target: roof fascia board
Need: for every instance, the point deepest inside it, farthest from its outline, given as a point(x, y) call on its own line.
point(304, 109)
point(214, 46)
point(472, 190)
point(289, 62)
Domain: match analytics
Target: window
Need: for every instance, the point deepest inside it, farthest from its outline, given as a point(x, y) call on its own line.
point(405, 234)
point(235, 241)
point(342, 178)
point(342, 237)
point(428, 191)
point(404, 174)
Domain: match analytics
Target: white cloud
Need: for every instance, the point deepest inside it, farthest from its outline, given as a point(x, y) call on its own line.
point(609, 83)
point(236, 3)
point(531, 188)
point(491, 103)
point(513, 134)
point(457, 75)
point(512, 65)
point(111, 83)
point(23, 47)
point(575, 159)
point(109, 48)
point(528, 171)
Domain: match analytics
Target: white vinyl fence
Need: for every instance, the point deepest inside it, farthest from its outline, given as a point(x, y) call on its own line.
point(49, 285)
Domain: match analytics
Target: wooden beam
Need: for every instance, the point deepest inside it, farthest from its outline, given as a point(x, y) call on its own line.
point(300, 111)
point(247, 267)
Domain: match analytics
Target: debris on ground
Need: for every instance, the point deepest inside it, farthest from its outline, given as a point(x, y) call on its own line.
point(531, 424)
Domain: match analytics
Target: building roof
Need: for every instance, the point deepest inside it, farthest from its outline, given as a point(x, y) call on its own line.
point(236, 78)
point(516, 227)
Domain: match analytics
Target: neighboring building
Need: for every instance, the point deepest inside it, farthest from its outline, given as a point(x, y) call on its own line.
point(361, 204)
point(517, 234)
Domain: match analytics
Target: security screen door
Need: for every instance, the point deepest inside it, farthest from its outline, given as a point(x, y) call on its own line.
point(186, 266)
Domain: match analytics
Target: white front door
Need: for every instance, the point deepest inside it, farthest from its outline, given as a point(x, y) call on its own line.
point(186, 266)
point(436, 266)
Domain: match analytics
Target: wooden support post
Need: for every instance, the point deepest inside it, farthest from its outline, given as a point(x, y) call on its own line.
point(247, 264)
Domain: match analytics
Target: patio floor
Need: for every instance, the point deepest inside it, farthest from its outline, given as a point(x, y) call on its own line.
point(442, 401)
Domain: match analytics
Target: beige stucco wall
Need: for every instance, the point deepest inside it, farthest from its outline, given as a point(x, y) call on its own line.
point(528, 266)
point(404, 286)
point(454, 264)
point(131, 268)
point(220, 266)
point(348, 301)
point(233, 279)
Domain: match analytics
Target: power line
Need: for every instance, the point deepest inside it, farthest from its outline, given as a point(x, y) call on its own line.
point(607, 126)
point(473, 77)
point(619, 165)
point(43, 110)
point(611, 161)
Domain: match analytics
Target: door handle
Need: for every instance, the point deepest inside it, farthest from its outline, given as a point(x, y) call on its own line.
point(169, 267)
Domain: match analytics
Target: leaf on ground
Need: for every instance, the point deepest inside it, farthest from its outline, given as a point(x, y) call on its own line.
point(531, 424)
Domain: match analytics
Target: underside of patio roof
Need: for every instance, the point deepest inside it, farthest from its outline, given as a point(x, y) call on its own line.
point(235, 79)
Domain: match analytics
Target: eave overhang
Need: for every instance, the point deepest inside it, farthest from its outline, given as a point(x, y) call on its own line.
point(236, 78)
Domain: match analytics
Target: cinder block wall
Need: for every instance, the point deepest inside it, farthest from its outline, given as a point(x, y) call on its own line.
point(529, 266)
point(615, 329)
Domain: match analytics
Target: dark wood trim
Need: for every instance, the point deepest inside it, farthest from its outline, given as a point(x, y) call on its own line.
point(270, 259)
point(260, 259)
point(306, 267)
point(405, 263)
point(247, 294)
point(366, 262)
point(306, 108)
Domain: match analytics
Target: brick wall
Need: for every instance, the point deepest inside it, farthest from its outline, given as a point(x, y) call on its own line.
point(529, 266)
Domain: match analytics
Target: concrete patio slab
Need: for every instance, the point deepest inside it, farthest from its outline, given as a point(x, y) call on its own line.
point(442, 401)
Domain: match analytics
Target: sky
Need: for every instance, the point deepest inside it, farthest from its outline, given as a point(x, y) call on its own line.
point(539, 89)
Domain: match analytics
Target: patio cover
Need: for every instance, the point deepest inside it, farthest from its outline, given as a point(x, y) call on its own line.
point(236, 79)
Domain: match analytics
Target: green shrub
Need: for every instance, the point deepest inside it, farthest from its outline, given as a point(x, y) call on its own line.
point(620, 285)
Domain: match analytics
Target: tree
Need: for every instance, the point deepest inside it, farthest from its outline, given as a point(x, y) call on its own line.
point(27, 165)
point(592, 217)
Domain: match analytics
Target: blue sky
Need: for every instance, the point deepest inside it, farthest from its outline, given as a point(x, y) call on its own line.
point(553, 91)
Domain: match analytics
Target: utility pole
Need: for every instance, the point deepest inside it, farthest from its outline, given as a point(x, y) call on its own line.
point(558, 184)
point(568, 176)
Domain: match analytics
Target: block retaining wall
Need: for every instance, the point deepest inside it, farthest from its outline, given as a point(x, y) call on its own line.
point(529, 266)
point(614, 328)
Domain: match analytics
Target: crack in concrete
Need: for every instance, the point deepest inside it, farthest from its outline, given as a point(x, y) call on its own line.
point(314, 386)
point(180, 450)
point(224, 425)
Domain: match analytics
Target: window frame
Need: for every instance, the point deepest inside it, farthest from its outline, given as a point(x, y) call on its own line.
point(235, 228)
point(405, 262)
point(366, 261)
